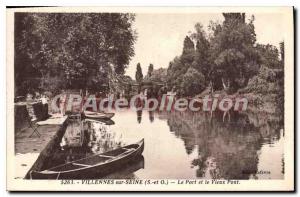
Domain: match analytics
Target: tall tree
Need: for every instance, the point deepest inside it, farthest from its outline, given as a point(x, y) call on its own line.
point(75, 47)
point(150, 70)
point(180, 65)
point(188, 51)
point(139, 73)
point(188, 45)
point(202, 53)
point(234, 55)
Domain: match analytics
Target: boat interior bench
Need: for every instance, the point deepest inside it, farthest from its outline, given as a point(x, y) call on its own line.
point(93, 160)
point(103, 157)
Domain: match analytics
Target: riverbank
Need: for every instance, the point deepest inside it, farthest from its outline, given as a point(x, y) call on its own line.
point(28, 150)
point(263, 103)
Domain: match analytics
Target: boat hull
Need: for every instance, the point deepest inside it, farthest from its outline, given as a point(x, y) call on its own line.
point(93, 172)
point(100, 115)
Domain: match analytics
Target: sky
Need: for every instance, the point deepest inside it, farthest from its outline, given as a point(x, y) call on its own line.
point(160, 36)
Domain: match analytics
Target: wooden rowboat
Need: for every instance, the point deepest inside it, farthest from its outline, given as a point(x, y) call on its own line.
point(105, 121)
point(98, 115)
point(95, 166)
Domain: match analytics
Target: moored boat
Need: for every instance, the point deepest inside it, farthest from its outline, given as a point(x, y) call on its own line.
point(105, 121)
point(98, 115)
point(95, 166)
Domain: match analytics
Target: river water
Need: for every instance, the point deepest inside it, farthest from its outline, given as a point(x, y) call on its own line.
point(184, 145)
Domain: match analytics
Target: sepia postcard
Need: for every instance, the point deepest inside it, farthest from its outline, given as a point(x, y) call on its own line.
point(150, 99)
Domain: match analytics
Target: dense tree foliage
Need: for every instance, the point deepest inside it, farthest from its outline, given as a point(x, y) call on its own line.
point(80, 50)
point(235, 59)
point(70, 50)
point(227, 58)
point(157, 76)
point(268, 84)
point(193, 82)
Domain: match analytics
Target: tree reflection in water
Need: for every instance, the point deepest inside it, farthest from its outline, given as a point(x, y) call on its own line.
point(227, 150)
point(139, 114)
point(206, 146)
point(82, 139)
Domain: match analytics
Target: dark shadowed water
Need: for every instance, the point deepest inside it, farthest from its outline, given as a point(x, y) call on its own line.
point(183, 145)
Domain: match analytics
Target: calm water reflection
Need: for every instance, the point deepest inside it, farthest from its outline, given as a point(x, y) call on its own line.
point(183, 145)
